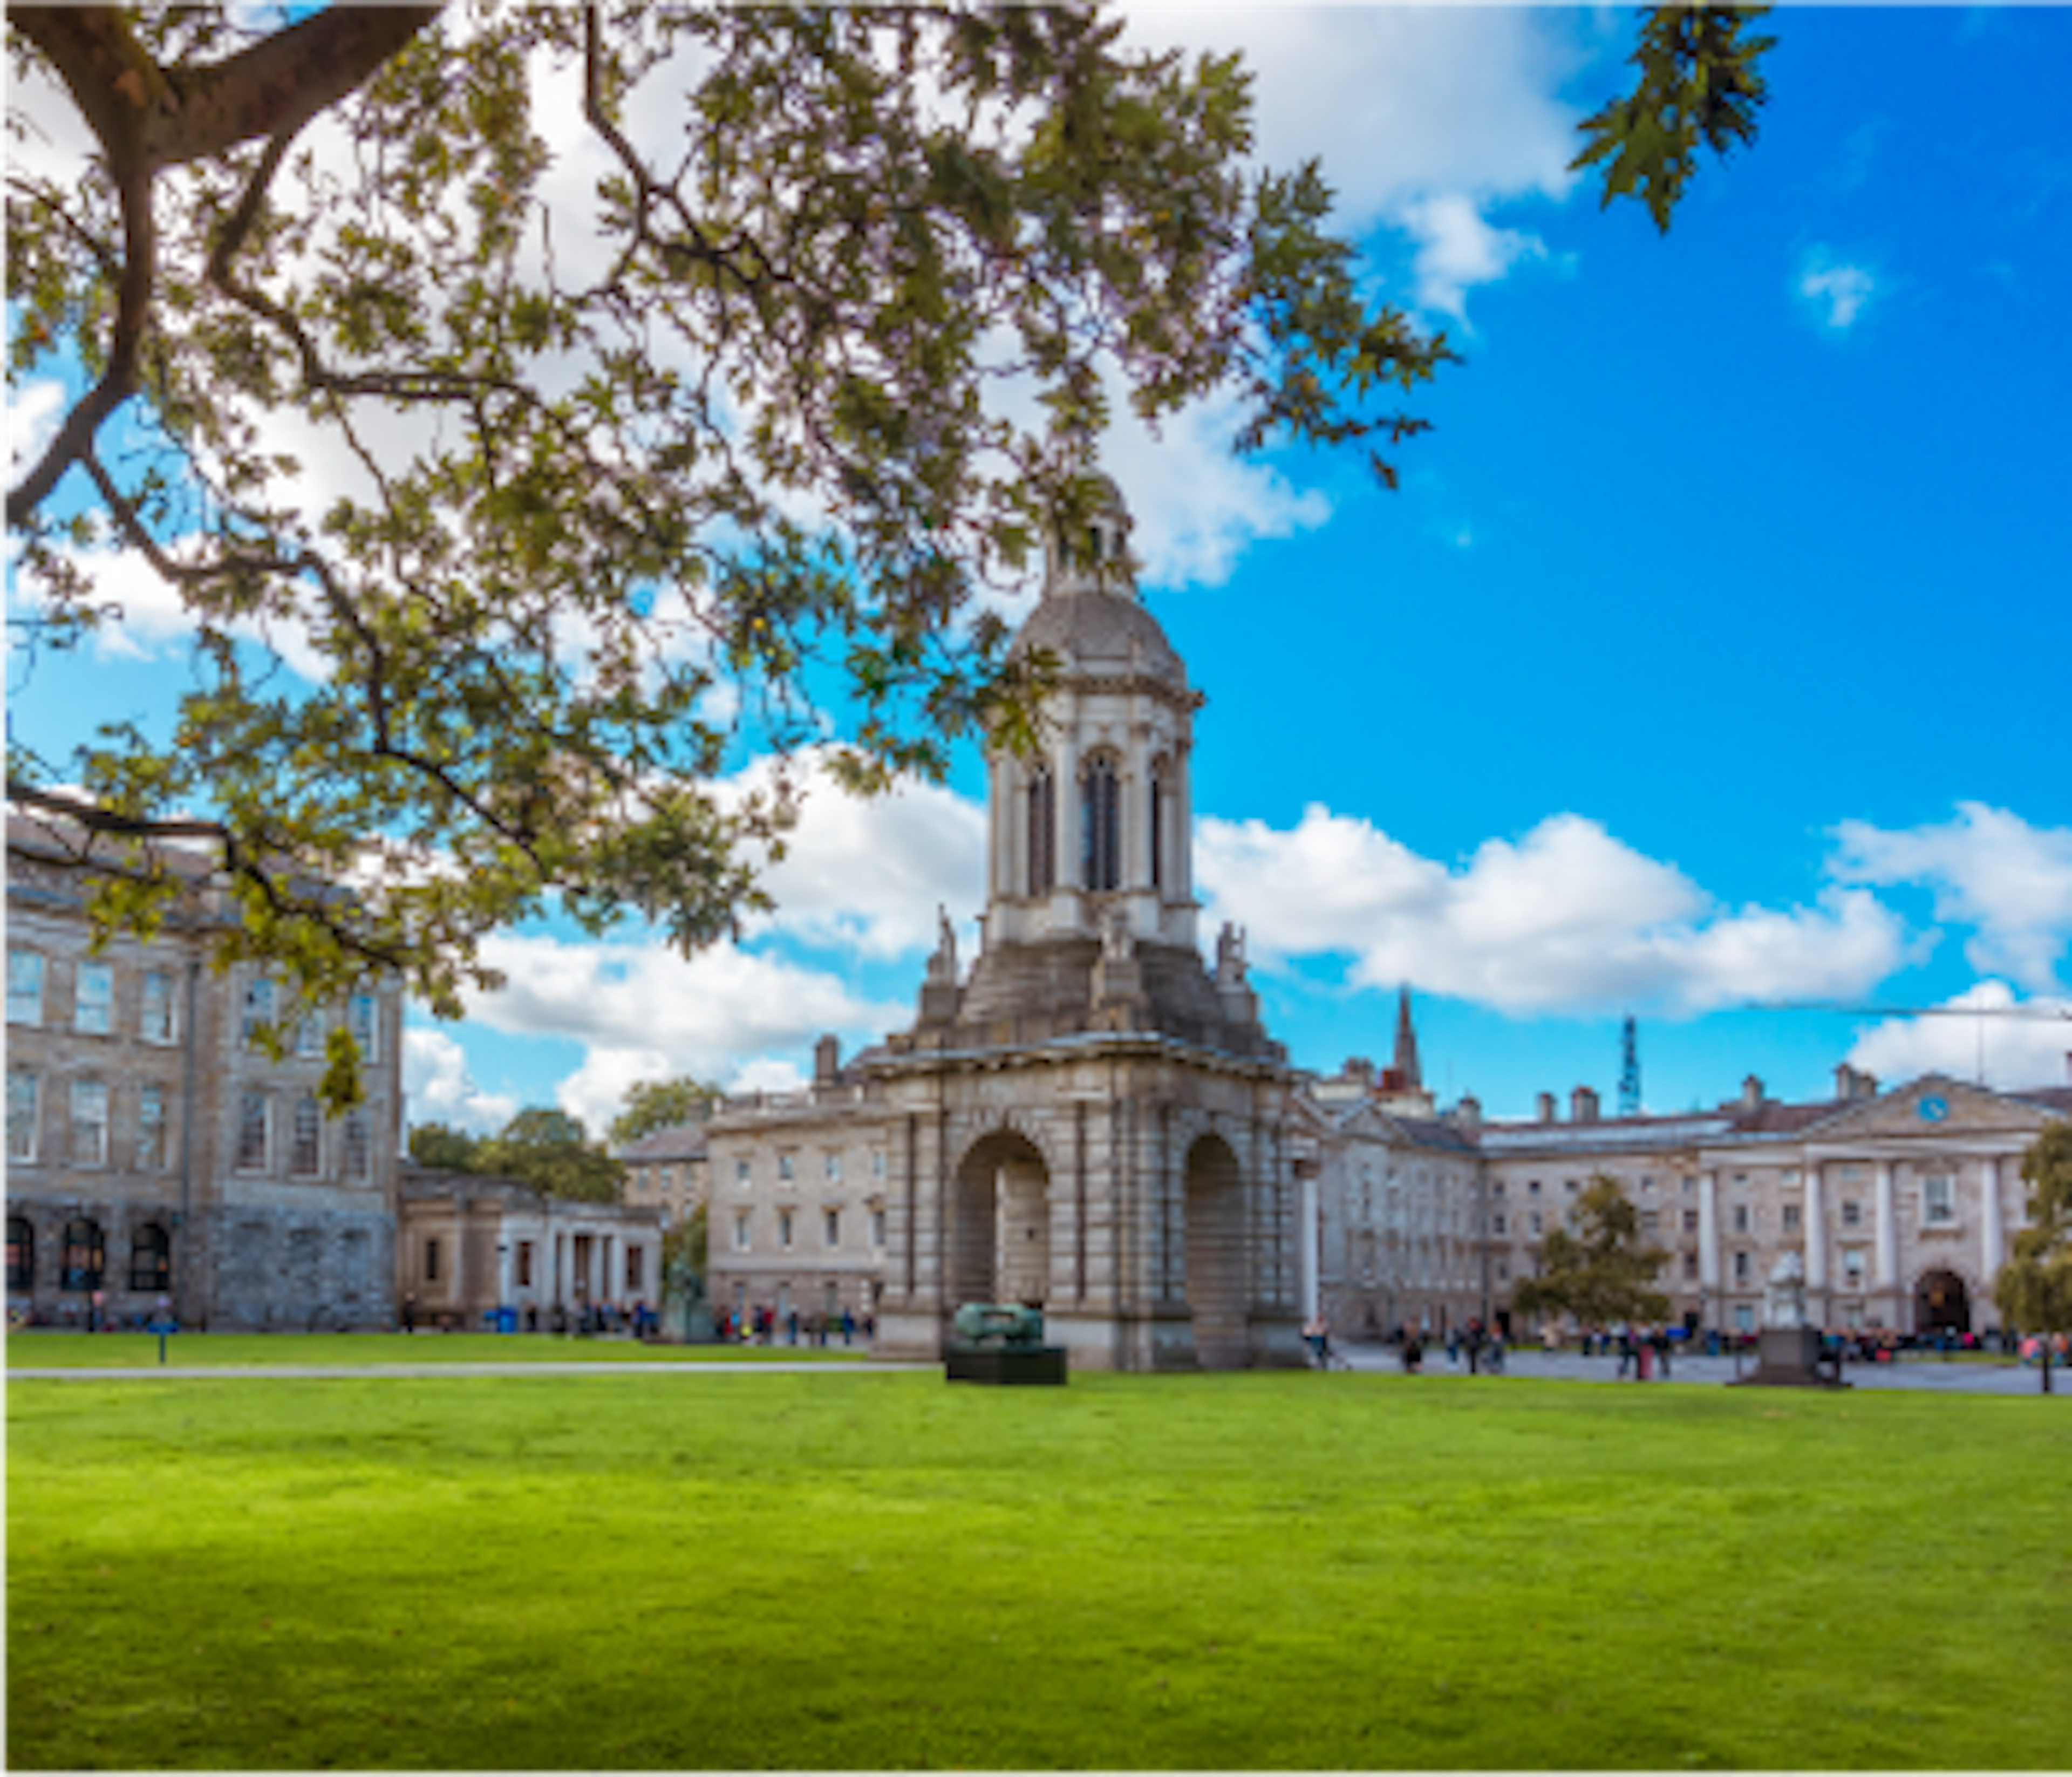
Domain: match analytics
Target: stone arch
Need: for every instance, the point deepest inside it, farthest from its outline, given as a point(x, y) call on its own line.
point(1941, 1300)
point(999, 1222)
point(1217, 1282)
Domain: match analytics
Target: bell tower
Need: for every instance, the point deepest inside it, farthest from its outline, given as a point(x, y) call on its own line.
point(1093, 831)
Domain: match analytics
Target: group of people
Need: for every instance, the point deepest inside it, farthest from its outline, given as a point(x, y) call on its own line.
point(760, 1325)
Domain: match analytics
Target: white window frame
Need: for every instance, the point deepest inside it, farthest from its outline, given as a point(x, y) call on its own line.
point(246, 1102)
point(25, 974)
point(93, 999)
point(784, 1230)
point(741, 1231)
point(164, 1029)
point(363, 1019)
point(88, 1097)
point(356, 1144)
point(259, 1008)
point(24, 1107)
point(831, 1227)
point(151, 1150)
point(1938, 1200)
point(305, 1137)
point(834, 1168)
point(310, 1035)
point(1853, 1268)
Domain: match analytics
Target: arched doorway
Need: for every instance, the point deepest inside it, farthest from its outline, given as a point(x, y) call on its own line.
point(1216, 1257)
point(1000, 1225)
point(1940, 1304)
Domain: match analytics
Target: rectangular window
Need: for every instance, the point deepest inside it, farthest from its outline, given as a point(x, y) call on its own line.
point(1535, 1221)
point(741, 1173)
point(832, 1219)
point(741, 1231)
point(1791, 1218)
point(251, 1131)
point(784, 1229)
point(1740, 1268)
point(25, 987)
point(1852, 1213)
point(155, 1007)
point(431, 1258)
point(878, 1228)
point(94, 1000)
point(1853, 1269)
point(1649, 1223)
point(636, 1268)
point(21, 1114)
point(89, 1123)
point(354, 1141)
point(306, 1151)
point(1744, 1319)
point(363, 1019)
point(258, 1009)
point(524, 1265)
point(1690, 1221)
point(786, 1168)
point(1938, 1200)
point(877, 1162)
point(1740, 1218)
point(150, 1128)
point(1497, 1221)
point(1646, 1186)
point(1690, 1266)
point(834, 1168)
point(309, 1035)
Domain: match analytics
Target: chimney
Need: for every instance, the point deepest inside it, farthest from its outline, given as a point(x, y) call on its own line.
point(827, 1061)
point(1752, 1094)
point(1583, 1105)
point(1469, 1112)
point(1546, 1107)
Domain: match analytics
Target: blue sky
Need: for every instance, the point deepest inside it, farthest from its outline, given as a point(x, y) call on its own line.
point(1712, 653)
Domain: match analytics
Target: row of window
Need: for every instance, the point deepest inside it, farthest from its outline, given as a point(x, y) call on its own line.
point(82, 1256)
point(788, 1168)
point(433, 1258)
point(88, 1127)
point(94, 1005)
point(259, 1142)
point(831, 1229)
point(93, 997)
point(1100, 827)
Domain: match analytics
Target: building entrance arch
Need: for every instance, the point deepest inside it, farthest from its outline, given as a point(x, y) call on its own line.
point(1940, 1304)
point(1216, 1276)
point(1000, 1224)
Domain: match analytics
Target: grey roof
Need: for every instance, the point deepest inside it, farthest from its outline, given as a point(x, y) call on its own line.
point(682, 1142)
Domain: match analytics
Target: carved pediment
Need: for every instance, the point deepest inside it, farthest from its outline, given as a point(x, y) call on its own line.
point(1932, 1107)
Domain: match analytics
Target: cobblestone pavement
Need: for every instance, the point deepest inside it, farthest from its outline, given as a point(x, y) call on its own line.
point(1969, 1376)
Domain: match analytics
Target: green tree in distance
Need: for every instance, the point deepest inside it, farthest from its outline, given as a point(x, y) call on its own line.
point(441, 1145)
point(652, 1105)
point(1597, 1269)
point(552, 1152)
point(525, 468)
point(2033, 1290)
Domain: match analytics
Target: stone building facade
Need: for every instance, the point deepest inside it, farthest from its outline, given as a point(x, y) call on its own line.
point(156, 1151)
point(668, 1170)
point(468, 1244)
point(1087, 1119)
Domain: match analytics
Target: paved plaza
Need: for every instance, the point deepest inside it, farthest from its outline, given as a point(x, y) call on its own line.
point(1935, 1375)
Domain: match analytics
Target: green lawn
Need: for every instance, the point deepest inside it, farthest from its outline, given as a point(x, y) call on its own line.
point(858, 1571)
point(50, 1351)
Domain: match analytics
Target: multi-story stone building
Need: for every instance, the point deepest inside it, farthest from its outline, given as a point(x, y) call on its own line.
point(155, 1151)
point(668, 1170)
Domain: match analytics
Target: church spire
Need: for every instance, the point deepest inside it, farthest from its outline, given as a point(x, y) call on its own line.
point(1405, 1068)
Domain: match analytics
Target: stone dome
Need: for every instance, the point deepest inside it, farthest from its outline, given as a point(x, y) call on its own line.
point(1101, 634)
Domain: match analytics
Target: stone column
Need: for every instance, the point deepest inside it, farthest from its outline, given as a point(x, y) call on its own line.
point(1309, 1248)
point(1708, 1242)
point(1816, 1245)
point(1993, 1227)
point(1885, 1253)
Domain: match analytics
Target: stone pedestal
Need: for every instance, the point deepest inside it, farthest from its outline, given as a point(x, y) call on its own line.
point(1789, 1357)
point(1043, 1366)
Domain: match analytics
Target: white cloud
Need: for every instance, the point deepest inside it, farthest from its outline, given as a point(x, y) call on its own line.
point(35, 412)
point(1456, 249)
point(869, 873)
point(1988, 869)
point(1837, 292)
point(641, 1011)
point(438, 1088)
point(2032, 1049)
point(1566, 919)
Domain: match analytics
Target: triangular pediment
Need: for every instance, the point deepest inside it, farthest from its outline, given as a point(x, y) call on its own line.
point(1933, 1106)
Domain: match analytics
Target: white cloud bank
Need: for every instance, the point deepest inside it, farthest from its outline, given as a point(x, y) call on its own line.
point(438, 1088)
point(2012, 1043)
point(1990, 870)
point(1568, 919)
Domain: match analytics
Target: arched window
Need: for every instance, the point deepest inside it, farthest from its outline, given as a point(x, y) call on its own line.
point(1101, 847)
point(21, 1254)
point(85, 1256)
point(151, 1260)
point(1043, 832)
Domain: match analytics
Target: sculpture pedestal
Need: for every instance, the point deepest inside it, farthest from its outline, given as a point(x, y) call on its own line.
point(1789, 1357)
point(1042, 1366)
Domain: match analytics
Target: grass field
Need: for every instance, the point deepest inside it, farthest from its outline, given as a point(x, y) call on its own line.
point(857, 1571)
point(333, 1350)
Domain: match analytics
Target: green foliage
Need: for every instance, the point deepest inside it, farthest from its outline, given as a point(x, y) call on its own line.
point(1258, 1572)
point(1598, 1269)
point(1700, 82)
point(652, 1105)
point(687, 1240)
point(550, 479)
point(552, 1152)
point(450, 1150)
point(2034, 1289)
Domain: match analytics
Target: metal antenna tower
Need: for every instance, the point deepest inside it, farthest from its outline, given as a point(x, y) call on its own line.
point(1628, 1071)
